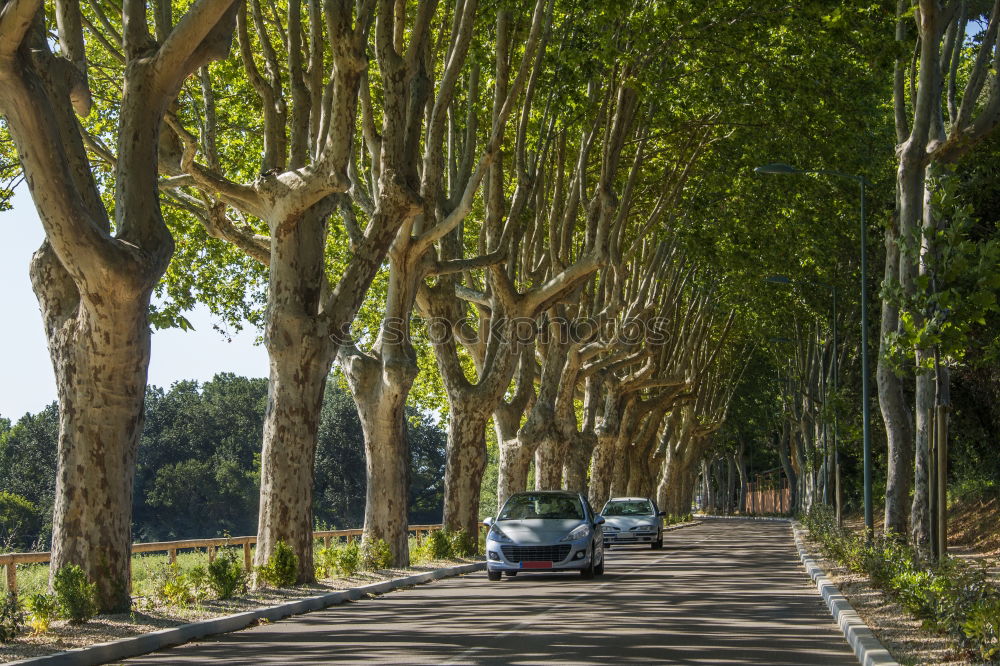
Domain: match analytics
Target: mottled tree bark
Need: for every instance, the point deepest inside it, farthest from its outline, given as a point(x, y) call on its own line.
point(93, 287)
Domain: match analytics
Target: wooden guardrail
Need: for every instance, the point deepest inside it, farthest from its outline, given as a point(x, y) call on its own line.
point(10, 560)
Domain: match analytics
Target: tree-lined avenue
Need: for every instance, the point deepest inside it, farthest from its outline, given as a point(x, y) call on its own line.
point(720, 592)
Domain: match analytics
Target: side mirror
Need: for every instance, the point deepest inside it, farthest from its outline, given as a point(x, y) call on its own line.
point(488, 521)
point(662, 514)
point(599, 520)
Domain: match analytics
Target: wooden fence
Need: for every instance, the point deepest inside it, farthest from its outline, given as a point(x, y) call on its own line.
point(765, 497)
point(10, 560)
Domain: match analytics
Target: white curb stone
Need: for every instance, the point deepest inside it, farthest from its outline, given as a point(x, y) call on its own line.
point(866, 646)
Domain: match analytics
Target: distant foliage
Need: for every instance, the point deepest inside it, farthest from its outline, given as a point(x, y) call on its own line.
point(282, 568)
point(226, 575)
point(375, 554)
point(75, 594)
point(20, 522)
point(198, 467)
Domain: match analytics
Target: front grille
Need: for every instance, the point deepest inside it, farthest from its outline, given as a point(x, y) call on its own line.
point(535, 553)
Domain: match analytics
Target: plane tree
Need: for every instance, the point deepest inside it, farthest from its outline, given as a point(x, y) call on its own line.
point(100, 261)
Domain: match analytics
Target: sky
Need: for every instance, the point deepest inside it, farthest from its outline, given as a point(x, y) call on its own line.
point(26, 379)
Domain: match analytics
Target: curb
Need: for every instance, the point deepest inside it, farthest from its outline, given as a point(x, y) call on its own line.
point(680, 526)
point(769, 519)
point(157, 640)
point(867, 648)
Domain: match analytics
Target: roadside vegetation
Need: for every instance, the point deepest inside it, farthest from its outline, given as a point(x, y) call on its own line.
point(949, 596)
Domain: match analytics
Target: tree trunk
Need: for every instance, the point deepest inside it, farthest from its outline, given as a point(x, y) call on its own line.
point(380, 396)
point(100, 355)
point(549, 458)
point(895, 413)
point(577, 461)
point(786, 465)
point(301, 356)
point(515, 463)
point(463, 475)
point(601, 469)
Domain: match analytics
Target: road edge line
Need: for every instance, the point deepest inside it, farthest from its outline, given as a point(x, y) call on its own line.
point(135, 646)
point(866, 646)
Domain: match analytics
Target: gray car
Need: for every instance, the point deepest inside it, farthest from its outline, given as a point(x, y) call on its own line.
point(545, 531)
point(632, 520)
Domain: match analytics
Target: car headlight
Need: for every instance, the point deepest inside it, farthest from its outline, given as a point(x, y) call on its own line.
point(612, 528)
point(643, 528)
point(497, 534)
point(579, 532)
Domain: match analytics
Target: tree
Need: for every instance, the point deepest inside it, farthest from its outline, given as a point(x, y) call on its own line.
point(952, 102)
point(93, 278)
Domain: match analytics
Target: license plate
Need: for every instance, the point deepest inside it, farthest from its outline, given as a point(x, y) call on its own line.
point(536, 565)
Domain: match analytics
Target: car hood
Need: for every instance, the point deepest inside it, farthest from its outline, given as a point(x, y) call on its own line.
point(626, 523)
point(538, 530)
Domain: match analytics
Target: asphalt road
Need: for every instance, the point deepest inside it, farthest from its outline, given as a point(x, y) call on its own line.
point(725, 592)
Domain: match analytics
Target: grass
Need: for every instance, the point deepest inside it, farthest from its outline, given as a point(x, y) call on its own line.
point(147, 569)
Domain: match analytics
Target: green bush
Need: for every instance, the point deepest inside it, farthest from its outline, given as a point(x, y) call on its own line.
point(11, 618)
point(76, 596)
point(349, 558)
point(344, 560)
point(282, 568)
point(226, 576)
point(982, 628)
point(173, 586)
point(462, 544)
point(42, 609)
point(375, 554)
point(437, 546)
point(951, 596)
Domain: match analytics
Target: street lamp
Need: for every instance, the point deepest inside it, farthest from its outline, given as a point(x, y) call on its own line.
point(785, 280)
point(784, 169)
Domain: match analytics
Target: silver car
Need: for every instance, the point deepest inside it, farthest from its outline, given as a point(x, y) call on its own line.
point(632, 520)
point(545, 531)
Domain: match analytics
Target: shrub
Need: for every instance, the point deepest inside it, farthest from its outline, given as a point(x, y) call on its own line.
point(375, 554)
point(335, 560)
point(983, 628)
point(172, 586)
point(437, 545)
point(76, 596)
point(226, 576)
point(951, 596)
point(462, 544)
point(42, 609)
point(349, 558)
point(11, 618)
point(282, 568)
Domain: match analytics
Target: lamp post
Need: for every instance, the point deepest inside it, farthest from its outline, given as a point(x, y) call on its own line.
point(787, 169)
point(785, 280)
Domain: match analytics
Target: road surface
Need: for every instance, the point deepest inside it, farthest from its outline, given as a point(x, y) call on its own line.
point(724, 592)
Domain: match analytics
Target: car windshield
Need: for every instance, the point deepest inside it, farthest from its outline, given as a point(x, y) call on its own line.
point(628, 508)
point(522, 507)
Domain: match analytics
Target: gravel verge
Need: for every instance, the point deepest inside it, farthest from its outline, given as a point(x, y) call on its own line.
point(113, 637)
point(904, 636)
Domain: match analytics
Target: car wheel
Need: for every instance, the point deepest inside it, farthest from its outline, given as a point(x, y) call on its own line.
point(599, 569)
point(589, 571)
point(494, 575)
point(510, 574)
point(656, 545)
